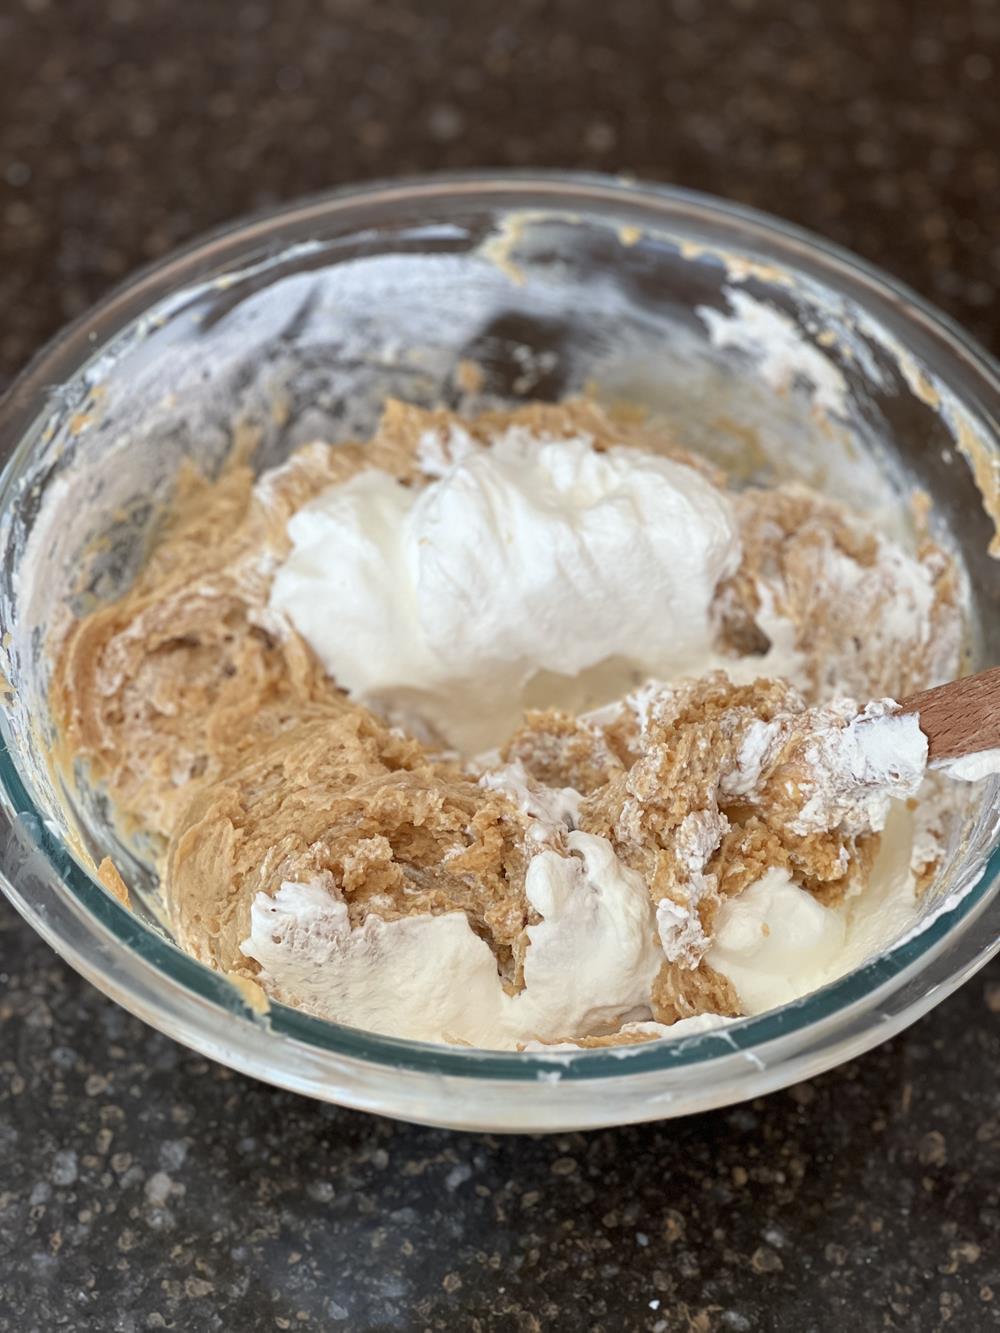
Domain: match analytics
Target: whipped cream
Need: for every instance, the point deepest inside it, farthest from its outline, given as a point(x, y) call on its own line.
point(879, 756)
point(853, 764)
point(518, 569)
point(971, 767)
point(775, 942)
point(589, 965)
point(553, 810)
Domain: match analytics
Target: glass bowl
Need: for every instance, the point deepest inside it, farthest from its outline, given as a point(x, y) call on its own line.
point(769, 349)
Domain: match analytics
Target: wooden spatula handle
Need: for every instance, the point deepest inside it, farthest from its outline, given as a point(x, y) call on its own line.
point(962, 717)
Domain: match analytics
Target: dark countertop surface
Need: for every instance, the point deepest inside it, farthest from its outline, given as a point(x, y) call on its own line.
point(144, 1188)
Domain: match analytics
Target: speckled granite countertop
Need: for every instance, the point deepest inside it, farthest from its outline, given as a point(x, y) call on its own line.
point(142, 1188)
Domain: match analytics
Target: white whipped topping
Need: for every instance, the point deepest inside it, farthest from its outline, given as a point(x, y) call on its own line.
point(859, 769)
point(682, 936)
point(517, 569)
point(970, 767)
point(775, 942)
point(850, 773)
point(590, 961)
point(772, 941)
point(553, 810)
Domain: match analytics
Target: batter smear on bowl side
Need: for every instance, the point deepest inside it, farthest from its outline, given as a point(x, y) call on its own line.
point(520, 729)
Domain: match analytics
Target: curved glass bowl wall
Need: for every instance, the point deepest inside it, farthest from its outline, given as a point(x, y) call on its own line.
point(298, 326)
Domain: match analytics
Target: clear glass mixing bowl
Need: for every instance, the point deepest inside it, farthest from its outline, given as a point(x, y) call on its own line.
point(768, 348)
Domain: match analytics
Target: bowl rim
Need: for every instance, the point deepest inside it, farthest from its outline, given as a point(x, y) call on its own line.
point(110, 926)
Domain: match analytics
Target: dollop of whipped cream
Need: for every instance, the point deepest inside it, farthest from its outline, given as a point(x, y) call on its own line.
point(508, 577)
point(776, 943)
point(589, 966)
point(774, 940)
